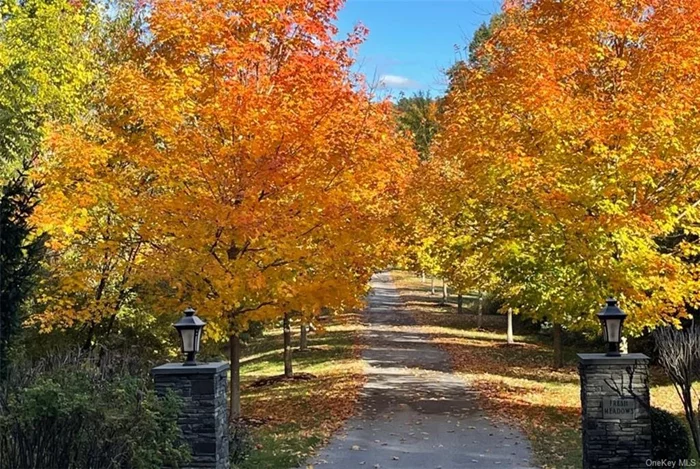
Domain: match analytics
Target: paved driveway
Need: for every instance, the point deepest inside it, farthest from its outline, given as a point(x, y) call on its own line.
point(414, 412)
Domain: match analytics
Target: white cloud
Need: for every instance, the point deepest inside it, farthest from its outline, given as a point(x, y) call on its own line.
point(396, 81)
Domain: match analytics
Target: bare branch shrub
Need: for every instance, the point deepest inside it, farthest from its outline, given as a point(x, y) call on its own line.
point(679, 355)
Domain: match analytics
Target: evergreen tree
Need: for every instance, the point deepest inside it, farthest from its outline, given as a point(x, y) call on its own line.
point(418, 114)
point(20, 256)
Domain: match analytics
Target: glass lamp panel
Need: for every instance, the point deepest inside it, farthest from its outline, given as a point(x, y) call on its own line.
point(613, 330)
point(605, 330)
point(188, 340)
point(198, 337)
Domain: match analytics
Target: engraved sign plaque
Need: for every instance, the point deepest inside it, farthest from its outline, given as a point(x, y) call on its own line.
point(620, 408)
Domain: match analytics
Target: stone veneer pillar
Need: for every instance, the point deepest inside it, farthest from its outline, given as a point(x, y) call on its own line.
point(204, 416)
point(616, 425)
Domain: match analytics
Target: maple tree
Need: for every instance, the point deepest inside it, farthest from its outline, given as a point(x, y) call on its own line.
point(238, 166)
point(574, 151)
point(417, 116)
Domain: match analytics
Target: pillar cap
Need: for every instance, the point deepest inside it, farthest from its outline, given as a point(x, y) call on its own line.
point(198, 369)
point(603, 359)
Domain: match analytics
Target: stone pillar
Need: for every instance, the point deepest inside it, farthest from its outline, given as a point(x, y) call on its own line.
point(204, 417)
point(616, 425)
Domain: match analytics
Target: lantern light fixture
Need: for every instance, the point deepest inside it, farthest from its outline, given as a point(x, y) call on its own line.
point(190, 329)
point(612, 318)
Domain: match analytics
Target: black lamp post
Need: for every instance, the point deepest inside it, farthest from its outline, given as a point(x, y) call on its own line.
point(190, 328)
point(612, 317)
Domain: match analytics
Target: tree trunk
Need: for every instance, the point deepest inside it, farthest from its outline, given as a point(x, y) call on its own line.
point(422, 277)
point(287, 334)
point(303, 343)
point(687, 398)
point(87, 346)
point(509, 334)
point(556, 335)
point(460, 303)
point(480, 313)
point(432, 285)
point(234, 410)
point(444, 291)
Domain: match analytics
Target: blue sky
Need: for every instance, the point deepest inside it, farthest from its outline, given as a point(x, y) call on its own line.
point(411, 42)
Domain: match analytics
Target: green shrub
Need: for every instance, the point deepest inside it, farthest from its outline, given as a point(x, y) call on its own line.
point(79, 416)
point(670, 438)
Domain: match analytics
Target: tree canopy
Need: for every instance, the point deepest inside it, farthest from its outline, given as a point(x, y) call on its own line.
point(237, 165)
point(573, 153)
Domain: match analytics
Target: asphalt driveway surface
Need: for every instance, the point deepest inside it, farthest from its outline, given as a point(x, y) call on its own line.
point(414, 412)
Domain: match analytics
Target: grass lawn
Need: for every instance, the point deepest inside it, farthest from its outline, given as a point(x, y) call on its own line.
point(517, 383)
point(297, 415)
